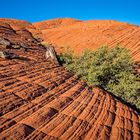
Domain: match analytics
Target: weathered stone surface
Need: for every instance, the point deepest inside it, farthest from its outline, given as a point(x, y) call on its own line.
point(2, 54)
point(4, 42)
point(6, 55)
point(41, 100)
point(16, 46)
point(50, 52)
point(91, 34)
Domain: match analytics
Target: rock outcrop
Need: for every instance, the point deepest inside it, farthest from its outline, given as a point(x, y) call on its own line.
point(92, 34)
point(5, 43)
point(50, 52)
point(6, 55)
point(55, 23)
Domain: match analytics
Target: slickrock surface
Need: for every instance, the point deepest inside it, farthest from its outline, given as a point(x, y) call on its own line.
point(92, 34)
point(20, 26)
point(55, 23)
point(40, 100)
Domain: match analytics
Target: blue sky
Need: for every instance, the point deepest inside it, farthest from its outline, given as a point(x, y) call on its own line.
point(38, 10)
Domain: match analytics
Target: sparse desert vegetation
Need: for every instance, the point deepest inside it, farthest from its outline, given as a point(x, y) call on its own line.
point(109, 68)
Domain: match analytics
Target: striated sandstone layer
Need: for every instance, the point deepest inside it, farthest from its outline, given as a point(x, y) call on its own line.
point(40, 100)
point(92, 34)
point(20, 26)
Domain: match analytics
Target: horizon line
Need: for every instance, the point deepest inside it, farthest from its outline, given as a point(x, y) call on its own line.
point(12, 18)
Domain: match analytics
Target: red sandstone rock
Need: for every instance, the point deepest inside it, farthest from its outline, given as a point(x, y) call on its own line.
point(41, 100)
point(91, 34)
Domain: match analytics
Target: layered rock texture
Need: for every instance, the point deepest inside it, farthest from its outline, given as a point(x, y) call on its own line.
point(40, 100)
point(80, 35)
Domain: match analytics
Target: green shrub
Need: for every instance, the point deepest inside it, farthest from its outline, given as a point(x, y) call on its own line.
point(109, 68)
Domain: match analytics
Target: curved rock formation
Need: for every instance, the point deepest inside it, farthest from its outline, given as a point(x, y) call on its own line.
point(55, 23)
point(20, 26)
point(92, 34)
point(40, 100)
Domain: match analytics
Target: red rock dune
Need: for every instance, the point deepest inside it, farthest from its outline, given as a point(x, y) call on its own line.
point(40, 100)
point(91, 34)
point(20, 25)
point(55, 23)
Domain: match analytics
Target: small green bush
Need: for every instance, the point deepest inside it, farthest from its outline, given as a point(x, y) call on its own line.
point(109, 68)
